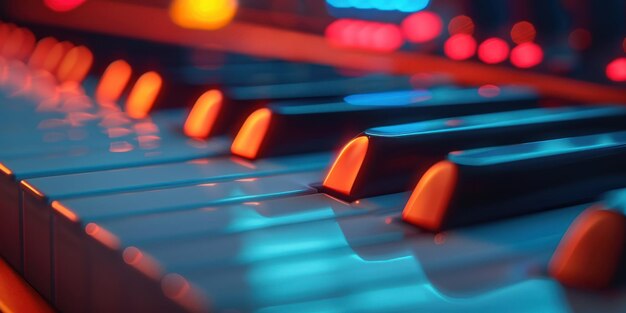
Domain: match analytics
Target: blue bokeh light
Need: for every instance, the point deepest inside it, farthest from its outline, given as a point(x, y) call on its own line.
point(383, 5)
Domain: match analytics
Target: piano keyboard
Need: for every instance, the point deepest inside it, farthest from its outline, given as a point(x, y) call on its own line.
point(311, 191)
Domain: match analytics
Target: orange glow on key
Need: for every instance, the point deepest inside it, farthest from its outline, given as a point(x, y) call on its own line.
point(429, 201)
point(56, 54)
point(589, 254)
point(30, 187)
point(102, 235)
point(143, 95)
point(250, 137)
point(203, 14)
point(142, 262)
point(75, 65)
point(5, 169)
point(113, 82)
point(16, 295)
point(177, 288)
point(13, 43)
point(345, 170)
point(5, 32)
point(203, 114)
point(28, 44)
point(65, 211)
point(41, 51)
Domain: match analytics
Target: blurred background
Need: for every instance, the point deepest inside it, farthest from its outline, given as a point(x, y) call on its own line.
point(581, 39)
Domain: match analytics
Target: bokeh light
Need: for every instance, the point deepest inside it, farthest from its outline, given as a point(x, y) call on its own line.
point(616, 70)
point(203, 14)
point(526, 55)
point(493, 51)
point(579, 39)
point(364, 35)
point(383, 5)
point(460, 47)
point(422, 26)
point(63, 5)
point(523, 32)
point(461, 24)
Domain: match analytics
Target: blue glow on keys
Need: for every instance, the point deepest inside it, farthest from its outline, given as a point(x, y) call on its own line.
point(383, 5)
point(500, 119)
point(585, 144)
point(392, 98)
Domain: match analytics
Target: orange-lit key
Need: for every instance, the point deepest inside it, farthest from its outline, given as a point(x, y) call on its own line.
point(56, 55)
point(113, 82)
point(591, 252)
point(13, 43)
point(143, 95)
point(203, 114)
point(43, 47)
point(28, 44)
point(5, 31)
point(392, 159)
point(75, 65)
point(252, 133)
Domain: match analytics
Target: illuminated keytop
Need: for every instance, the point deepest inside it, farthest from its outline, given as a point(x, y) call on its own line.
point(280, 130)
point(485, 184)
point(591, 254)
point(393, 158)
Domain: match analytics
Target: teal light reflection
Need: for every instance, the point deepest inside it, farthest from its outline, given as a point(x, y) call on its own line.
point(503, 154)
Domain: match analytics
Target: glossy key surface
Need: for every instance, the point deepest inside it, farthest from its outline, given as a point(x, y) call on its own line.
point(395, 157)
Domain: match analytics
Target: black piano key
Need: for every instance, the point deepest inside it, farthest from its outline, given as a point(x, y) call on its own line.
point(280, 130)
point(393, 158)
point(481, 185)
point(240, 101)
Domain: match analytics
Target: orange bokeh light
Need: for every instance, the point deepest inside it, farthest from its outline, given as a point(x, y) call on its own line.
point(75, 65)
point(143, 95)
point(203, 14)
point(113, 81)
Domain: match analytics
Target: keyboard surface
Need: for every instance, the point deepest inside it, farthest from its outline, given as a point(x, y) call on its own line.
point(268, 185)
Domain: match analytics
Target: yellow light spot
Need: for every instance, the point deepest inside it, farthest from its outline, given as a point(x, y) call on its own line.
point(143, 95)
point(203, 114)
point(113, 81)
point(250, 137)
point(203, 14)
